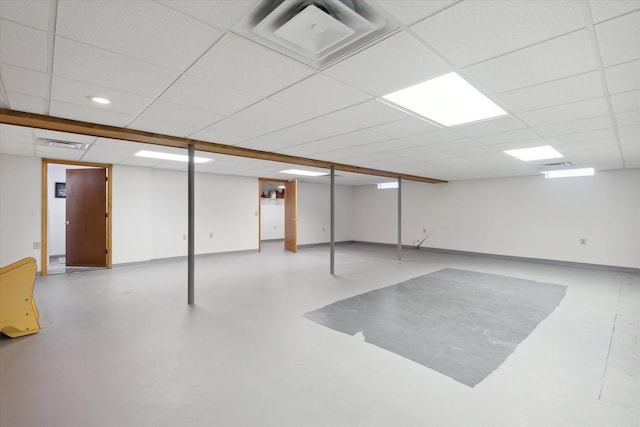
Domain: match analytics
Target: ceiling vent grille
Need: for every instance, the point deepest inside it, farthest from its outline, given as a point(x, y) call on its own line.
point(62, 144)
point(315, 32)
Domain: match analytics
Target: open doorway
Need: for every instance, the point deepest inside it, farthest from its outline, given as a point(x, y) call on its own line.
point(278, 213)
point(76, 216)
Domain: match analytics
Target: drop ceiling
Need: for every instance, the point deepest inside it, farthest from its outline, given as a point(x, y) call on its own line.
point(566, 72)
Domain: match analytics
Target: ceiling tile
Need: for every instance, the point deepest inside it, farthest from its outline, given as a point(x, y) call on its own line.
point(58, 153)
point(28, 103)
point(623, 77)
point(606, 9)
point(6, 129)
point(619, 39)
point(274, 113)
point(345, 140)
point(577, 110)
point(440, 135)
point(626, 101)
point(208, 96)
point(405, 127)
point(180, 114)
point(606, 134)
point(34, 13)
point(560, 57)
point(140, 29)
point(575, 126)
point(369, 114)
point(74, 92)
point(105, 156)
point(248, 67)
point(218, 137)
point(161, 127)
point(510, 136)
point(400, 56)
point(240, 127)
point(320, 94)
point(485, 127)
point(629, 118)
point(16, 40)
point(89, 114)
point(408, 12)
point(390, 145)
point(221, 14)
point(24, 81)
point(557, 92)
point(505, 26)
point(109, 69)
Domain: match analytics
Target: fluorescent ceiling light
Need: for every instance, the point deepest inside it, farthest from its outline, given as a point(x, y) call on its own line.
point(448, 100)
point(99, 100)
point(565, 173)
point(385, 185)
point(303, 172)
point(170, 156)
point(281, 186)
point(534, 153)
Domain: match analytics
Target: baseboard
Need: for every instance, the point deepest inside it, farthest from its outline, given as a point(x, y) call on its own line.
point(182, 258)
point(317, 245)
point(513, 258)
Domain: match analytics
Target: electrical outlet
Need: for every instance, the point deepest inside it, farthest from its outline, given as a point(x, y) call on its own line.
point(36, 245)
point(583, 241)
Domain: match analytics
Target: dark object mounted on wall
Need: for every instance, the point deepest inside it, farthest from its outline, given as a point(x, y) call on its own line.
point(61, 190)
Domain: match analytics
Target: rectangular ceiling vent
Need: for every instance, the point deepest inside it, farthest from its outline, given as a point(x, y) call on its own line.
point(313, 31)
point(62, 144)
point(557, 165)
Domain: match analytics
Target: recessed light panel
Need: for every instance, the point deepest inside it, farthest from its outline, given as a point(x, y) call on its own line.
point(567, 173)
point(534, 153)
point(387, 185)
point(449, 100)
point(99, 100)
point(170, 156)
point(303, 172)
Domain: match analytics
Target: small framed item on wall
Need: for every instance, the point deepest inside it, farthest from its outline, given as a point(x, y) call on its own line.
point(61, 190)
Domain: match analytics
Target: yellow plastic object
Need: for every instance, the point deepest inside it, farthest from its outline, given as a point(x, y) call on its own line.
point(18, 311)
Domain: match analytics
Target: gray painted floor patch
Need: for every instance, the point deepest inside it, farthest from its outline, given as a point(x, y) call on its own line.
point(460, 323)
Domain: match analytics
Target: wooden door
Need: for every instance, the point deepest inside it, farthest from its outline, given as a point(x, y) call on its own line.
point(291, 216)
point(86, 201)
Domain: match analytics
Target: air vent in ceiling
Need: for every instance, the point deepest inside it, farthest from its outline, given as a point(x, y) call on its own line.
point(557, 165)
point(62, 144)
point(315, 32)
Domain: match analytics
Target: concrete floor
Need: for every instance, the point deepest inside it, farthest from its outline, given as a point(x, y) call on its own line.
point(122, 348)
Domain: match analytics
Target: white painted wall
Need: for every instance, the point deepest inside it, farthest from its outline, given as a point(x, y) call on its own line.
point(150, 214)
point(57, 211)
point(272, 219)
point(525, 216)
point(314, 214)
point(19, 208)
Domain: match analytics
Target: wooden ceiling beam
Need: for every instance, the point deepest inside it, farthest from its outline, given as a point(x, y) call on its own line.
point(40, 121)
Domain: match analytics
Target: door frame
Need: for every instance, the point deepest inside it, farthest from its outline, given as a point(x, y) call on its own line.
point(44, 207)
point(260, 181)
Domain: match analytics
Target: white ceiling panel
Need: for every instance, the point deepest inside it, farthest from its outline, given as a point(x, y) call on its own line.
point(619, 39)
point(337, 142)
point(16, 40)
point(161, 127)
point(89, 114)
point(368, 114)
point(629, 118)
point(504, 25)
point(248, 67)
point(560, 57)
point(485, 127)
point(34, 13)
point(208, 96)
point(240, 127)
point(75, 92)
point(180, 114)
point(606, 134)
point(627, 101)
point(59, 153)
point(27, 82)
point(606, 9)
point(320, 94)
point(434, 137)
point(10, 130)
point(28, 103)
point(408, 12)
point(405, 127)
point(390, 145)
point(567, 112)
point(400, 56)
point(105, 156)
point(224, 15)
point(510, 136)
point(575, 126)
point(274, 113)
point(140, 29)
point(109, 69)
point(558, 92)
point(623, 77)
